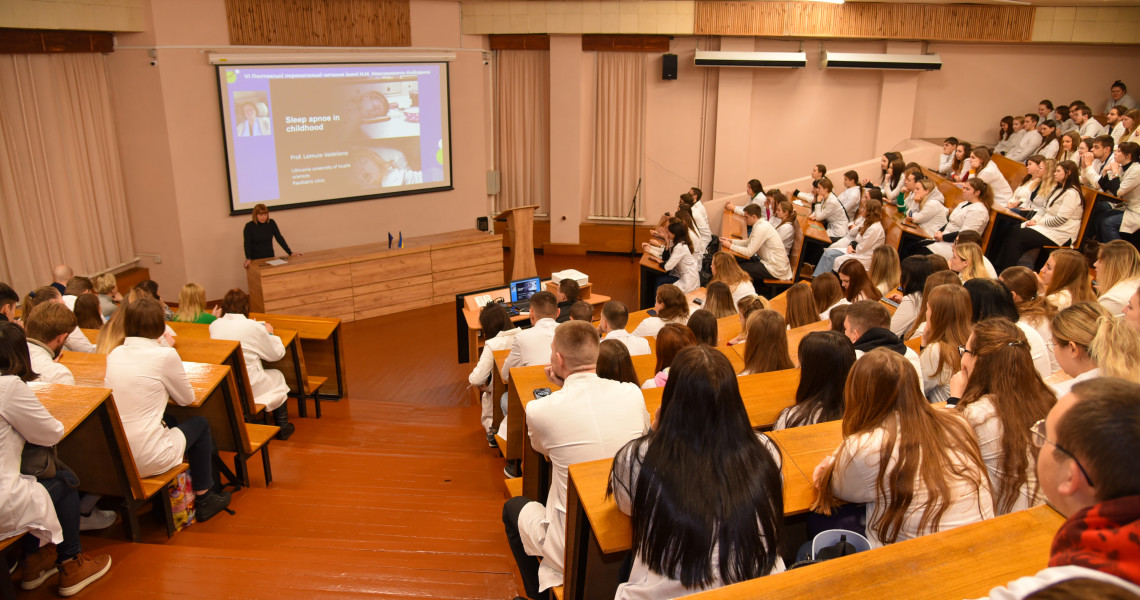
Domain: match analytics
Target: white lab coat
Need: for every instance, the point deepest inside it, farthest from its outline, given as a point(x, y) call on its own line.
point(765, 244)
point(268, 385)
point(43, 362)
point(683, 265)
point(967, 215)
point(932, 216)
point(830, 212)
point(982, 417)
point(483, 369)
point(25, 506)
point(1060, 220)
point(1117, 298)
point(992, 175)
point(866, 243)
point(530, 347)
point(636, 345)
point(143, 375)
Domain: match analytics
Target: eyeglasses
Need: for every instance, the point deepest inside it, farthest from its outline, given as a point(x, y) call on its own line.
point(1039, 439)
point(962, 350)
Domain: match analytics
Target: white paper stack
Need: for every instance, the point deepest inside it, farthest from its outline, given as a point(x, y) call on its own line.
point(578, 276)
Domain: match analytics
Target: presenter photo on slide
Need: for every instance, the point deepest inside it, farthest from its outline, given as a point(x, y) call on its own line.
point(259, 235)
point(254, 120)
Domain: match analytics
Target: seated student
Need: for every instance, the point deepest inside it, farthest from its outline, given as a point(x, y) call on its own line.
point(1132, 311)
point(1123, 180)
point(682, 269)
point(8, 301)
point(109, 296)
point(143, 376)
point(581, 311)
point(1002, 396)
point(887, 417)
point(704, 327)
point(745, 308)
point(852, 193)
point(1083, 118)
point(718, 300)
point(1029, 142)
point(869, 236)
point(60, 274)
point(47, 509)
point(970, 237)
point(725, 268)
point(258, 345)
point(499, 332)
point(150, 286)
point(1090, 343)
point(991, 298)
point(670, 340)
point(1070, 147)
point(1018, 132)
point(913, 274)
point(856, 283)
point(754, 190)
point(893, 181)
point(590, 418)
point(1056, 224)
point(972, 214)
point(987, 170)
point(765, 249)
point(615, 315)
point(967, 262)
point(950, 144)
point(76, 287)
point(567, 295)
point(866, 325)
point(1094, 163)
point(192, 306)
point(1131, 120)
point(1115, 126)
point(886, 269)
point(947, 329)
point(927, 209)
point(693, 529)
point(828, 210)
point(700, 218)
point(1086, 456)
point(87, 313)
point(960, 167)
point(76, 341)
point(1045, 109)
point(1065, 279)
point(671, 307)
point(1050, 139)
point(532, 346)
point(1117, 275)
point(785, 223)
point(825, 358)
point(47, 329)
point(828, 294)
point(1035, 188)
point(766, 348)
point(1032, 307)
point(818, 172)
point(615, 363)
point(685, 216)
point(937, 278)
point(801, 309)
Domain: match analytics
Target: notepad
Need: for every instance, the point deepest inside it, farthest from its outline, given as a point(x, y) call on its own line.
point(277, 261)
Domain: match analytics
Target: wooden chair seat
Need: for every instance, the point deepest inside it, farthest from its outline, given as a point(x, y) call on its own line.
point(557, 592)
point(259, 435)
point(312, 389)
point(514, 487)
point(152, 485)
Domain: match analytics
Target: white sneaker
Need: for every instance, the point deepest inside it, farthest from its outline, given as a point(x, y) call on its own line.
point(98, 519)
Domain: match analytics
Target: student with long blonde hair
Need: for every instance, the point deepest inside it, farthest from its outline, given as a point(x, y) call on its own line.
point(1057, 224)
point(1002, 396)
point(1065, 279)
point(937, 278)
point(1091, 343)
point(767, 347)
point(929, 211)
point(1117, 275)
point(1029, 197)
point(192, 306)
point(744, 309)
point(718, 300)
point(916, 467)
point(801, 309)
point(725, 268)
point(886, 269)
point(947, 327)
point(968, 262)
point(827, 293)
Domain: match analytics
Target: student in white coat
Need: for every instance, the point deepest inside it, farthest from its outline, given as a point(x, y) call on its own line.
point(1050, 139)
point(1056, 224)
point(47, 328)
point(1117, 275)
point(672, 307)
point(76, 340)
point(500, 333)
point(973, 213)
point(765, 246)
point(257, 344)
point(1089, 127)
point(828, 210)
point(1122, 178)
point(1029, 142)
point(755, 192)
point(1089, 343)
point(862, 247)
point(927, 209)
point(615, 316)
point(590, 418)
point(852, 193)
point(990, 298)
point(987, 170)
point(692, 201)
point(950, 145)
point(681, 267)
point(143, 377)
point(47, 509)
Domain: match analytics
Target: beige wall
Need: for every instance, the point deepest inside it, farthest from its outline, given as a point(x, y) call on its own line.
point(169, 128)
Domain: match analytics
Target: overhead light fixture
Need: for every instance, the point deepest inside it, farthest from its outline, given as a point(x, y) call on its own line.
point(890, 62)
point(787, 60)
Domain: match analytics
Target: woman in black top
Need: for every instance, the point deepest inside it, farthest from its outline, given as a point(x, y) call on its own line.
point(259, 235)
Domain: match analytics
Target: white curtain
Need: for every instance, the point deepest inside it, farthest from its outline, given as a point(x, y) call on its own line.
point(62, 198)
point(619, 132)
point(522, 85)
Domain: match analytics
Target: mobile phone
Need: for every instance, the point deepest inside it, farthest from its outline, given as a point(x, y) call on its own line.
point(652, 313)
point(541, 393)
point(698, 301)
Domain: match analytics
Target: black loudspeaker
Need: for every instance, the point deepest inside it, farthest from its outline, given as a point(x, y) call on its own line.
point(668, 66)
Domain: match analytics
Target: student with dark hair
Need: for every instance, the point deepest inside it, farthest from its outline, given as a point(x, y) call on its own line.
point(1083, 118)
point(499, 333)
point(670, 341)
point(671, 307)
point(568, 291)
point(857, 285)
point(867, 326)
point(614, 362)
point(1056, 224)
point(615, 316)
point(692, 201)
point(692, 529)
point(581, 311)
point(950, 144)
point(914, 271)
point(828, 294)
point(8, 301)
point(1123, 180)
point(47, 329)
point(258, 346)
point(991, 298)
point(825, 358)
point(1030, 139)
point(852, 193)
point(144, 377)
point(754, 190)
point(590, 418)
point(801, 307)
point(764, 247)
point(76, 287)
point(767, 347)
point(76, 340)
point(704, 327)
point(150, 286)
point(46, 509)
point(838, 318)
point(87, 312)
point(947, 328)
point(888, 425)
point(1002, 396)
point(828, 210)
point(681, 265)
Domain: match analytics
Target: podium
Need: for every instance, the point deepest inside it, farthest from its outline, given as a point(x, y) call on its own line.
point(520, 222)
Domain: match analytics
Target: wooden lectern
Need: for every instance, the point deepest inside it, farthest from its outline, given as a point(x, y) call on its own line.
point(520, 222)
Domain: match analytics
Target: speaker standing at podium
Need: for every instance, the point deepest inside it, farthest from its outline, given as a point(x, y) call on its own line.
point(259, 235)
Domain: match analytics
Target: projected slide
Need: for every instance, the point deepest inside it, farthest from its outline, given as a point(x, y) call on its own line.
point(308, 134)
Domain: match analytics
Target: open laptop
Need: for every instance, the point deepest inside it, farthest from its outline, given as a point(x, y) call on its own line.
point(521, 291)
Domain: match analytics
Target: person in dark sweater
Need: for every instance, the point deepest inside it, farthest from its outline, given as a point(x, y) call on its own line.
point(567, 295)
point(867, 325)
point(259, 235)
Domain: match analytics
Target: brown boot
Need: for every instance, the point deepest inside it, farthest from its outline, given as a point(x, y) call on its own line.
point(81, 571)
point(38, 567)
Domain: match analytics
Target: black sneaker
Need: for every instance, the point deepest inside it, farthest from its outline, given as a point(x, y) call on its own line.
point(511, 470)
point(286, 431)
point(209, 504)
point(491, 441)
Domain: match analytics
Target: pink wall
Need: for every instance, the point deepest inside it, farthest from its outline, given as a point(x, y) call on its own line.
point(169, 127)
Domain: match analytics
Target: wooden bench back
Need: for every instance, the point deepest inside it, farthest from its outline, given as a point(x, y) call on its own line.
point(1013, 171)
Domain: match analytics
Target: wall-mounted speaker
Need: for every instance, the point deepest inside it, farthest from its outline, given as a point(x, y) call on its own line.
point(668, 66)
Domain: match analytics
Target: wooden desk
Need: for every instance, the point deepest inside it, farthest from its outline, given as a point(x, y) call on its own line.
point(321, 343)
point(966, 562)
point(222, 352)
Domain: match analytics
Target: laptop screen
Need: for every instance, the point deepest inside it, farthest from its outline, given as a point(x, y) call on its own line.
point(523, 289)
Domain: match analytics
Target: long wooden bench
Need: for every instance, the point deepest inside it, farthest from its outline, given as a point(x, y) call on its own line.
point(324, 351)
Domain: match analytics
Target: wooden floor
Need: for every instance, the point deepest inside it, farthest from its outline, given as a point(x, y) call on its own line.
point(392, 494)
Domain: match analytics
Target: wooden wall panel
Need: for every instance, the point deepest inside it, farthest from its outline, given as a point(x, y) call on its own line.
point(935, 22)
point(625, 43)
point(317, 23)
point(520, 42)
point(39, 41)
